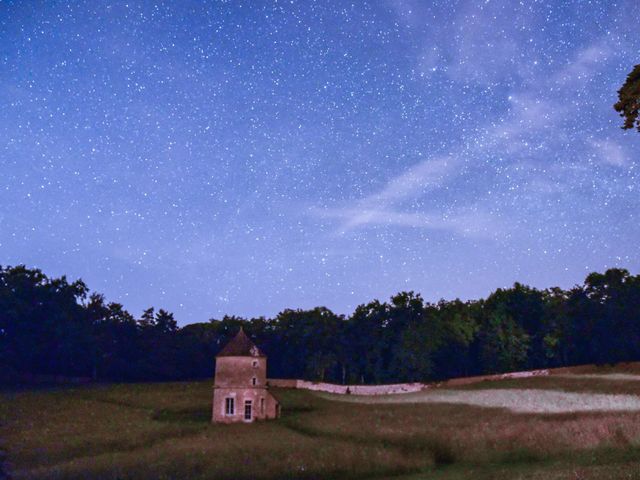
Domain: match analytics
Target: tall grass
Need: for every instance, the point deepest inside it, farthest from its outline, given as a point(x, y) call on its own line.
point(163, 431)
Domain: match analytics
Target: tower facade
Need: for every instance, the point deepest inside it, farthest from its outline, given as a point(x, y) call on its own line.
point(240, 392)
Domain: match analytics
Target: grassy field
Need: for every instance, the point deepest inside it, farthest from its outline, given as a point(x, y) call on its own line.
point(160, 431)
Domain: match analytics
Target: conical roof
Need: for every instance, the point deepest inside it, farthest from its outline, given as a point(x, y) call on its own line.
point(240, 346)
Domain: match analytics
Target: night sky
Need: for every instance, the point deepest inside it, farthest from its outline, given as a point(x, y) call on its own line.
point(246, 157)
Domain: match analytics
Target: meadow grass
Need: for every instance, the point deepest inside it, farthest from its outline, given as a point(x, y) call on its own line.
point(140, 431)
point(594, 383)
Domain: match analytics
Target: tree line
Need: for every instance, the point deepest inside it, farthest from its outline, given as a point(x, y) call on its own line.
point(53, 327)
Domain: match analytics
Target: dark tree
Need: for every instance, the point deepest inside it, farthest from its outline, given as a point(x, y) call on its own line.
point(628, 104)
point(116, 335)
point(53, 329)
point(158, 345)
point(459, 326)
point(43, 329)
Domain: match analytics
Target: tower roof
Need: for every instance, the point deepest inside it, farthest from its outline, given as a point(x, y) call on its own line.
point(240, 346)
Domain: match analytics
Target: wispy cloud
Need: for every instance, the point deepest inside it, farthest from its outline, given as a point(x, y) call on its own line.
point(516, 141)
point(384, 206)
point(610, 152)
point(427, 175)
point(583, 65)
point(527, 115)
point(387, 207)
point(463, 222)
point(483, 51)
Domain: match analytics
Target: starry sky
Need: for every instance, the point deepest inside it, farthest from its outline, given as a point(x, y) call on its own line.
point(241, 158)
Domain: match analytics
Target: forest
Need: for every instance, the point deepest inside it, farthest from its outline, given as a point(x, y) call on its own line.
point(51, 328)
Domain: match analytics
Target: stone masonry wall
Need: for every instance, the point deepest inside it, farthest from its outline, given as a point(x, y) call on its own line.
point(342, 389)
point(396, 388)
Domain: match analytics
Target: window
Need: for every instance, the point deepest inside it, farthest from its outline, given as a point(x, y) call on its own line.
point(255, 364)
point(247, 409)
point(262, 406)
point(254, 381)
point(229, 407)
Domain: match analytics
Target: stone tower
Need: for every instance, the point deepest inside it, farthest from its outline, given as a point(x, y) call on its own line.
point(240, 392)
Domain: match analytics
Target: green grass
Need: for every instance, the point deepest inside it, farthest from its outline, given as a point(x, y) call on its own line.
point(162, 431)
point(573, 383)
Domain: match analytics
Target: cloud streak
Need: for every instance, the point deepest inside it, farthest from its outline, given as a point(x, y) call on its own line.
point(518, 139)
point(427, 175)
point(385, 207)
point(467, 223)
point(609, 152)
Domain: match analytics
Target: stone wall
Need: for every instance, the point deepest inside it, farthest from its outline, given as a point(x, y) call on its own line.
point(283, 382)
point(344, 389)
point(395, 388)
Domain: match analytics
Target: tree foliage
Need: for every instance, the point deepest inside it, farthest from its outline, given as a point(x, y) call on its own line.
point(50, 327)
point(628, 104)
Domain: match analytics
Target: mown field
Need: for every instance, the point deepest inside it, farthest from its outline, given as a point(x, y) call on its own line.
point(156, 431)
